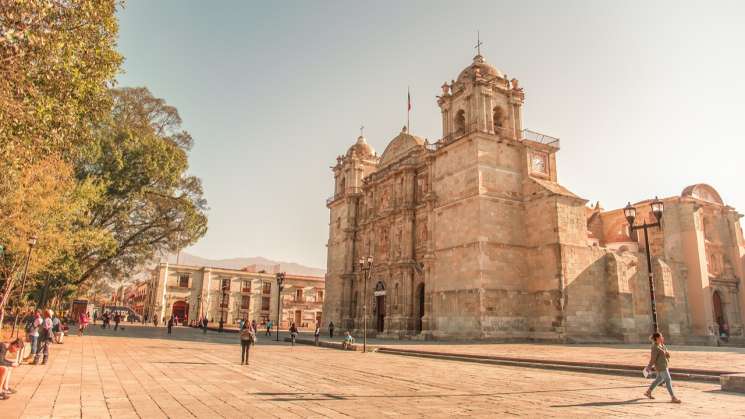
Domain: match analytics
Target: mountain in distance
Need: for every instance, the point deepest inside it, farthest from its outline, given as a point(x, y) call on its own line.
point(238, 263)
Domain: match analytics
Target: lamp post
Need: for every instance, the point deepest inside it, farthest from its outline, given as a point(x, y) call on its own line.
point(31, 244)
point(223, 306)
point(365, 268)
point(280, 286)
point(630, 213)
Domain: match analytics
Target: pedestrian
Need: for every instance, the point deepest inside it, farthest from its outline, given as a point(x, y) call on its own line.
point(204, 325)
point(241, 323)
point(269, 328)
point(57, 332)
point(45, 336)
point(660, 357)
point(95, 316)
point(254, 326)
point(7, 366)
point(82, 323)
point(331, 330)
point(117, 319)
point(293, 333)
point(170, 325)
point(317, 333)
point(248, 338)
point(32, 331)
point(155, 321)
point(348, 341)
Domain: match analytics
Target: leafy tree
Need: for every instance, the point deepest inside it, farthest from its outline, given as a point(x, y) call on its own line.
point(148, 204)
point(57, 62)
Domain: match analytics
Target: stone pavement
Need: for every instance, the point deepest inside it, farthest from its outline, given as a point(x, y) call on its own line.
point(141, 372)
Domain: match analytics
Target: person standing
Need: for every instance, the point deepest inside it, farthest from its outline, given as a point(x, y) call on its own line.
point(45, 336)
point(254, 326)
point(82, 323)
point(660, 358)
point(204, 325)
point(293, 333)
point(269, 325)
point(57, 332)
point(170, 325)
point(331, 330)
point(33, 333)
point(117, 319)
point(241, 324)
point(317, 333)
point(248, 338)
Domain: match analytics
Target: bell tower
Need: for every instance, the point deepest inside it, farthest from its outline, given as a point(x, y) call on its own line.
point(482, 99)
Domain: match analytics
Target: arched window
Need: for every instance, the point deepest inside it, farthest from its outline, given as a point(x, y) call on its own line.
point(498, 117)
point(460, 122)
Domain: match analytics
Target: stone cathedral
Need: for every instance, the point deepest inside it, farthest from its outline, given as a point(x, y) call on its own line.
point(473, 237)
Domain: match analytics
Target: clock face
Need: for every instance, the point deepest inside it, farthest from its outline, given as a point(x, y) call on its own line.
point(538, 163)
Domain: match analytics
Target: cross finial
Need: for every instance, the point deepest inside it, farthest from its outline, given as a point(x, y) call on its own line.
point(362, 127)
point(478, 43)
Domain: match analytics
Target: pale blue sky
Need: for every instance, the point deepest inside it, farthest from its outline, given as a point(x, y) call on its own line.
point(647, 97)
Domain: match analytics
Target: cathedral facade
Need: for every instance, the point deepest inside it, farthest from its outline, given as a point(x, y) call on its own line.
point(472, 237)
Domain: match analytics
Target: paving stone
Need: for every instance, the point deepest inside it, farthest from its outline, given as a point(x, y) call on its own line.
point(148, 376)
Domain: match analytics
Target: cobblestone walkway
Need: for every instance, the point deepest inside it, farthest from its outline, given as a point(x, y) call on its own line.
point(185, 376)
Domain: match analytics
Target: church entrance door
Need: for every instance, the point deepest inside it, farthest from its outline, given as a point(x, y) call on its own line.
point(718, 311)
point(420, 307)
point(380, 304)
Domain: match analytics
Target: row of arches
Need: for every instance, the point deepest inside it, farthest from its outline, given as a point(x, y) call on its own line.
point(498, 119)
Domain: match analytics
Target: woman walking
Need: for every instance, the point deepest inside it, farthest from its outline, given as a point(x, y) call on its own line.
point(82, 323)
point(248, 338)
point(659, 359)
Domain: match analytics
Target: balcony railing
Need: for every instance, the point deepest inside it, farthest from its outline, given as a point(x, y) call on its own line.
point(540, 138)
point(348, 191)
point(526, 134)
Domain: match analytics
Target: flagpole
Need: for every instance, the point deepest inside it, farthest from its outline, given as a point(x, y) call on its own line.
point(408, 109)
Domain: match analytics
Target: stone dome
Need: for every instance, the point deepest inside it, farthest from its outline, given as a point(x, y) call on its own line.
point(486, 70)
point(361, 148)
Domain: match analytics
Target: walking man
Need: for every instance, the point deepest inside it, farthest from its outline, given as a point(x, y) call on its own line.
point(117, 319)
point(317, 333)
point(293, 333)
point(269, 328)
point(204, 325)
point(331, 330)
point(170, 325)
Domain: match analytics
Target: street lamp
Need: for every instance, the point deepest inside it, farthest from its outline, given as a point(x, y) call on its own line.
point(223, 307)
point(630, 213)
point(31, 244)
point(280, 286)
point(366, 268)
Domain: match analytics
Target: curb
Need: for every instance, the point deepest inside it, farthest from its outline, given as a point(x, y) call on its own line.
point(612, 369)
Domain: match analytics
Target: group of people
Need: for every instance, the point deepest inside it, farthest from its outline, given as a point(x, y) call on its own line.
point(107, 318)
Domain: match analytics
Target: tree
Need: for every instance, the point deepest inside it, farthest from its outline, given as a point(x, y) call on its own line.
point(57, 62)
point(148, 203)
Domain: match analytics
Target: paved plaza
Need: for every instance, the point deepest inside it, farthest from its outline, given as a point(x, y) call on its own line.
point(141, 372)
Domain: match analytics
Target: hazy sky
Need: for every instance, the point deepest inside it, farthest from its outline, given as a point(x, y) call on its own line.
point(646, 97)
